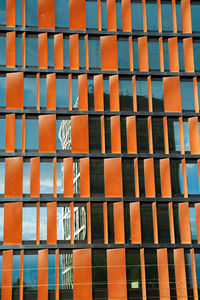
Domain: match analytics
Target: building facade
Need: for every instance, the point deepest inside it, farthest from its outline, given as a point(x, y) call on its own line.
point(99, 149)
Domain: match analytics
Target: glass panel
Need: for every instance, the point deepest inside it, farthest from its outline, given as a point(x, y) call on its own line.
point(166, 55)
point(63, 223)
point(154, 55)
point(62, 13)
point(2, 91)
point(16, 277)
point(166, 12)
point(91, 14)
point(141, 177)
point(76, 177)
point(123, 54)
point(126, 95)
point(60, 174)
point(152, 17)
point(193, 223)
point(178, 17)
point(142, 135)
point(1, 220)
point(46, 177)
point(104, 15)
point(133, 273)
point(2, 133)
point(196, 47)
point(80, 223)
point(158, 135)
point(26, 177)
point(94, 54)
point(90, 94)
point(31, 13)
point(30, 283)
point(43, 223)
point(43, 92)
point(29, 224)
point(18, 12)
point(66, 60)
point(176, 177)
point(2, 177)
point(31, 51)
point(157, 95)
point(186, 136)
point(127, 223)
point(82, 53)
point(181, 56)
point(3, 50)
point(174, 135)
point(65, 275)
point(147, 223)
point(142, 95)
point(189, 276)
point(99, 274)
point(176, 223)
point(3, 12)
point(96, 177)
point(18, 134)
point(110, 223)
point(119, 15)
point(97, 223)
point(192, 179)
point(128, 178)
point(31, 134)
point(75, 92)
point(163, 223)
point(51, 275)
point(62, 98)
point(151, 273)
point(135, 54)
point(123, 135)
point(18, 49)
point(195, 14)
point(187, 95)
point(30, 90)
point(50, 43)
point(106, 92)
point(137, 16)
point(197, 263)
point(63, 135)
point(95, 135)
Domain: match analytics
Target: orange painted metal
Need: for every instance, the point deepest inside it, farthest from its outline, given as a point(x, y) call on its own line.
point(42, 51)
point(89, 238)
point(21, 283)
point(42, 274)
point(102, 135)
point(115, 134)
point(85, 177)
point(143, 275)
point(15, 82)
point(10, 49)
point(165, 127)
point(99, 14)
point(194, 275)
point(194, 135)
point(77, 17)
point(47, 133)
point(58, 51)
point(163, 274)
point(79, 134)
point(150, 135)
point(180, 274)
point(196, 97)
point(46, 14)
point(68, 177)
point(82, 92)
point(35, 177)
point(173, 54)
point(38, 224)
point(7, 268)
point(12, 234)
point(174, 16)
point(135, 220)
point(10, 133)
point(134, 94)
point(161, 54)
point(149, 178)
point(113, 177)
point(51, 91)
point(23, 13)
point(188, 55)
point(159, 16)
point(165, 178)
point(118, 212)
point(171, 222)
point(186, 16)
point(98, 93)
point(184, 220)
point(10, 13)
point(13, 177)
point(105, 222)
point(74, 51)
point(51, 223)
point(111, 15)
point(184, 178)
point(172, 94)
point(137, 190)
point(109, 60)
point(126, 15)
point(143, 54)
point(197, 214)
point(114, 92)
point(131, 134)
point(144, 15)
point(155, 222)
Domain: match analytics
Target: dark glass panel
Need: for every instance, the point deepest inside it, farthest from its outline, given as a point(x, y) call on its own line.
point(3, 91)
point(135, 54)
point(142, 95)
point(94, 54)
point(196, 47)
point(30, 91)
point(158, 135)
point(110, 223)
point(163, 223)
point(154, 54)
point(176, 223)
point(104, 15)
point(119, 15)
point(31, 51)
point(96, 177)
point(195, 14)
point(3, 12)
point(189, 277)
point(172, 279)
point(127, 223)
point(95, 134)
point(18, 133)
point(157, 95)
point(51, 276)
point(147, 223)
point(43, 92)
point(173, 135)
point(18, 50)
point(141, 177)
point(123, 135)
point(62, 98)
point(90, 94)
point(151, 273)
point(142, 135)
point(31, 134)
point(166, 55)
point(2, 133)
point(128, 177)
point(97, 223)
point(50, 45)
point(176, 177)
point(82, 53)
point(66, 60)
point(181, 56)
point(91, 14)
point(3, 50)
point(107, 135)
point(178, 16)
point(133, 273)
point(123, 54)
point(187, 95)
point(31, 13)
point(99, 274)
point(126, 95)
point(157, 177)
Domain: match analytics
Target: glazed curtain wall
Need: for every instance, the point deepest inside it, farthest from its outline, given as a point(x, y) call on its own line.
point(99, 149)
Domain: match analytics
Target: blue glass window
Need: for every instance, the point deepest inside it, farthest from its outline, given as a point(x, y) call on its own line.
point(126, 95)
point(82, 53)
point(193, 223)
point(103, 15)
point(157, 95)
point(63, 134)
point(3, 12)
point(30, 272)
point(31, 13)
point(30, 89)
point(91, 14)
point(50, 52)
point(75, 92)
point(192, 179)
point(106, 91)
point(2, 91)
point(2, 133)
point(43, 92)
point(196, 47)
point(123, 54)
point(195, 14)
point(137, 16)
point(29, 224)
point(152, 17)
point(32, 51)
point(174, 135)
point(154, 54)
point(26, 177)
point(166, 55)
point(18, 54)
point(166, 12)
point(46, 177)
point(31, 134)
point(18, 134)
point(3, 50)
point(59, 178)
point(65, 263)
point(66, 53)
point(16, 272)
point(62, 99)
point(18, 12)
point(186, 136)
point(63, 223)
point(1, 220)
point(119, 15)
point(51, 272)
point(181, 56)
point(94, 54)
point(62, 13)
point(43, 223)
point(187, 95)
point(2, 177)
point(197, 262)
point(142, 95)
point(178, 17)
point(135, 54)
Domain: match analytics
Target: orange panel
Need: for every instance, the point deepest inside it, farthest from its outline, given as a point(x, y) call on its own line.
point(184, 179)
point(134, 93)
point(150, 94)
point(82, 92)
point(135, 221)
point(79, 134)
point(57, 274)
point(23, 49)
point(7, 268)
point(126, 15)
point(115, 134)
point(55, 177)
point(74, 50)
point(114, 93)
point(150, 135)
point(23, 16)
point(99, 14)
point(186, 16)
point(143, 54)
point(197, 213)
point(109, 60)
point(86, 53)
point(155, 223)
point(196, 97)
point(144, 15)
point(12, 223)
point(173, 54)
point(72, 221)
point(165, 178)
point(58, 51)
point(118, 212)
point(194, 275)
point(105, 221)
point(38, 90)
point(165, 127)
point(172, 94)
point(85, 177)
point(14, 177)
point(188, 55)
point(111, 15)
point(137, 190)
point(184, 220)
point(35, 177)
point(38, 223)
point(10, 133)
point(181, 135)
point(102, 135)
point(163, 274)
point(113, 177)
point(194, 135)
point(171, 222)
point(161, 54)
point(174, 16)
point(149, 178)
point(52, 223)
point(70, 90)
point(116, 274)
point(46, 14)
point(10, 13)
point(42, 274)
point(98, 93)
point(51, 91)
point(180, 274)
point(21, 274)
point(131, 134)
point(10, 49)
point(15, 82)
point(143, 276)
point(159, 16)
point(77, 18)
point(42, 51)
point(47, 133)
point(88, 223)
point(23, 133)
point(68, 176)
point(82, 274)
point(130, 40)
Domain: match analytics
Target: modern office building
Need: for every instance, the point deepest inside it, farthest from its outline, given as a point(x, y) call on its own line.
point(99, 149)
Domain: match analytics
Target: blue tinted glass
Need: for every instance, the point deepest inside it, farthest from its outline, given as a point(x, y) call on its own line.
point(31, 51)
point(177, 136)
point(137, 16)
point(31, 271)
point(2, 177)
point(3, 91)
point(94, 54)
point(63, 134)
point(62, 13)
point(195, 13)
point(193, 223)
point(3, 12)
point(142, 95)
point(26, 177)
point(46, 177)
point(186, 136)
point(152, 17)
point(181, 179)
point(119, 15)
point(18, 42)
point(2, 50)
point(82, 53)
point(125, 87)
point(16, 270)
point(91, 14)
point(104, 15)
point(166, 12)
point(30, 89)
point(74, 92)
point(187, 95)
point(31, 13)
point(196, 47)
point(106, 88)
point(157, 95)
point(18, 12)
point(192, 179)
point(18, 134)
point(43, 223)
point(154, 55)
point(178, 17)
point(181, 56)
point(63, 223)
point(43, 92)
point(1, 221)
point(2, 133)
point(66, 52)
point(135, 55)
point(123, 54)
point(197, 262)
point(51, 271)
point(31, 134)
point(50, 52)
point(166, 55)
point(62, 92)
point(59, 178)
point(29, 224)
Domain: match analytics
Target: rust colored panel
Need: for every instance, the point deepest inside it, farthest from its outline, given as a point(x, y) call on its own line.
point(86, 53)
point(126, 15)
point(194, 135)
point(47, 133)
point(57, 274)
point(155, 223)
point(149, 178)
point(82, 92)
point(114, 93)
point(165, 178)
point(15, 82)
point(165, 127)
point(109, 60)
point(23, 133)
point(10, 49)
point(68, 176)
point(174, 16)
point(102, 135)
point(12, 223)
point(131, 134)
point(161, 54)
point(113, 177)
point(58, 51)
point(171, 222)
point(173, 54)
point(181, 135)
point(188, 55)
point(38, 223)
point(10, 133)
point(143, 54)
point(130, 40)
point(42, 274)
point(150, 94)
point(143, 276)
point(172, 94)
point(70, 90)
point(118, 212)
point(38, 90)
point(137, 190)
point(194, 275)
point(135, 221)
point(99, 14)
point(77, 17)
point(35, 177)
point(55, 177)
point(111, 15)
point(7, 268)
point(98, 93)
point(23, 50)
point(42, 51)
point(74, 51)
point(134, 93)
point(196, 97)
point(46, 14)
point(21, 275)
point(82, 274)
point(51, 91)
point(79, 134)
point(105, 222)
point(10, 13)
point(186, 16)
point(184, 179)
point(116, 274)
point(85, 177)
point(159, 16)
point(180, 274)
point(150, 135)
point(88, 223)
point(197, 213)
point(72, 221)
point(51, 223)
point(14, 177)
point(163, 274)
point(23, 16)
point(184, 220)
point(144, 15)
point(115, 134)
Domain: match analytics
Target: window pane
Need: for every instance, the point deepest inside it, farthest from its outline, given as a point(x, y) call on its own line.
point(18, 12)
point(46, 177)
point(135, 55)
point(63, 134)
point(62, 13)
point(195, 14)
point(43, 92)
point(119, 15)
point(97, 223)
point(103, 15)
point(166, 11)
point(127, 223)
point(96, 177)
point(62, 98)
point(158, 135)
point(137, 16)
point(178, 17)
point(193, 223)
point(106, 92)
point(90, 94)
point(3, 50)
point(2, 177)
point(18, 134)
point(147, 223)
point(31, 13)
point(181, 56)
point(94, 54)
point(95, 135)
point(63, 223)
point(29, 224)
point(80, 223)
point(31, 51)
point(31, 134)
point(30, 90)
point(82, 53)
point(16, 276)
point(142, 95)
point(163, 223)
point(18, 50)
point(66, 61)
point(30, 274)
point(152, 17)
point(126, 95)
point(51, 275)
point(123, 54)
point(151, 273)
point(176, 177)
point(99, 274)
point(186, 136)
point(187, 95)
point(157, 95)
point(196, 47)
point(174, 135)
point(43, 223)
point(128, 178)
point(3, 91)
point(74, 92)
point(76, 177)
point(3, 12)
point(192, 179)
point(154, 55)
point(26, 177)
point(133, 273)
point(110, 223)
point(166, 55)
point(65, 274)
point(50, 43)
point(91, 14)
point(142, 135)
point(1, 219)
point(2, 133)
